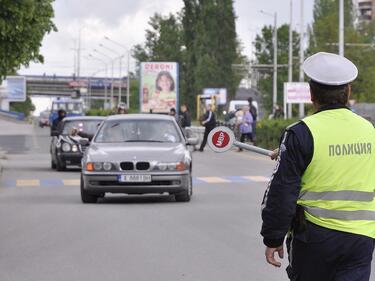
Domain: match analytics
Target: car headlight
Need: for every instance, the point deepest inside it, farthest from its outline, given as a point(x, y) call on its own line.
point(66, 147)
point(172, 166)
point(162, 166)
point(74, 148)
point(107, 166)
point(98, 166)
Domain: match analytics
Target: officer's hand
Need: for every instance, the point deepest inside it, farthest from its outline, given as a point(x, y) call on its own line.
point(270, 255)
point(274, 154)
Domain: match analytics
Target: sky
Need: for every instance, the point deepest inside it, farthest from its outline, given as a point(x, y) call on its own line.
point(125, 21)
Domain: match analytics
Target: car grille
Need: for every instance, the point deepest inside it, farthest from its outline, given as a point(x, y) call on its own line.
point(127, 166)
point(139, 166)
point(142, 166)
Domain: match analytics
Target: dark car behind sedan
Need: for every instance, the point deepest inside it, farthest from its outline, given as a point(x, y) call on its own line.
point(67, 149)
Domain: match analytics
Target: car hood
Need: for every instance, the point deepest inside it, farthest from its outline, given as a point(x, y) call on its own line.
point(166, 152)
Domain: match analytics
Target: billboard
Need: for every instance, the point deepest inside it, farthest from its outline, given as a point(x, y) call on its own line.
point(13, 88)
point(220, 93)
point(297, 92)
point(159, 86)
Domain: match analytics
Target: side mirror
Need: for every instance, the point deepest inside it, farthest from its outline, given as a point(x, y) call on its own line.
point(84, 142)
point(192, 141)
point(54, 133)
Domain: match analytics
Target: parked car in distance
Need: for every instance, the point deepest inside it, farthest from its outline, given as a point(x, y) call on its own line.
point(67, 149)
point(138, 154)
point(43, 119)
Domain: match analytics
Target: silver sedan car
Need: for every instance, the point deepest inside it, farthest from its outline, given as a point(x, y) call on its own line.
point(138, 154)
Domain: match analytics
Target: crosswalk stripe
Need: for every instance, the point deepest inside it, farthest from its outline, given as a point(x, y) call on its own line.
point(73, 182)
point(27, 183)
point(213, 179)
point(257, 178)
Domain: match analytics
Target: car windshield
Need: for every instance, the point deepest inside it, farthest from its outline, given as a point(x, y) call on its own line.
point(87, 126)
point(114, 131)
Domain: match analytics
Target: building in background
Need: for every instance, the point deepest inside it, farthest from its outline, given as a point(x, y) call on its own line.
point(366, 10)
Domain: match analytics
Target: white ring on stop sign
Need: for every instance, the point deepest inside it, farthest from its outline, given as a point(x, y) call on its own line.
point(223, 141)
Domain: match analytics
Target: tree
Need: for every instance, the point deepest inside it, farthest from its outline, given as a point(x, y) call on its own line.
point(324, 36)
point(163, 40)
point(264, 55)
point(23, 25)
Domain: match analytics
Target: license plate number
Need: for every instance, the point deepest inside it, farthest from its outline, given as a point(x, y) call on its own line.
point(134, 178)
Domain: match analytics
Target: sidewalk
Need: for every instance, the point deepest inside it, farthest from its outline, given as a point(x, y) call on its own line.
point(8, 128)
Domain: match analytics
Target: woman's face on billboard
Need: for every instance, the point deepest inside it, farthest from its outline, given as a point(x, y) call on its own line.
point(165, 83)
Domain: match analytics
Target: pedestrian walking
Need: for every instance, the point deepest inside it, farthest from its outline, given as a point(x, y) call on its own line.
point(245, 126)
point(185, 117)
point(322, 190)
point(254, 114)
point(209, 122)
point(56, 126)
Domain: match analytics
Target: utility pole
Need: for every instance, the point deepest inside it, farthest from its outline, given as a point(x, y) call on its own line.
point(301, 58)
point(79, 54)
point(128, 70)
point(275, 51)
point(341, 28)
point(290, 64)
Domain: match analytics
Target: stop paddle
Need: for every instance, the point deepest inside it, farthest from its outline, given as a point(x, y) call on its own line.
point(222, 139)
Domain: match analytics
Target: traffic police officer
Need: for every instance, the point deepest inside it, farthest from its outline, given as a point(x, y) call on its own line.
point(321, 194)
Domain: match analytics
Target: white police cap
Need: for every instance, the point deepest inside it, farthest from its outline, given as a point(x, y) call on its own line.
point(330, 69)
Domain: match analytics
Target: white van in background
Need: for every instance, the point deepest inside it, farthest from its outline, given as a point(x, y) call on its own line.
point(234, 105)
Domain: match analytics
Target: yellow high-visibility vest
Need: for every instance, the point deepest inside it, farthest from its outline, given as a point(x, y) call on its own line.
point(338, 186)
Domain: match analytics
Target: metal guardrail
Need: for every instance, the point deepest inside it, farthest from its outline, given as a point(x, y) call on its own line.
point(12, 114)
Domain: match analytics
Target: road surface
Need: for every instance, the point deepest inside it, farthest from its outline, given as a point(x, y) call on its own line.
point(47, 234)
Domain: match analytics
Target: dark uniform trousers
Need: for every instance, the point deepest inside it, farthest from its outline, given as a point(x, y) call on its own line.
point(321, 254)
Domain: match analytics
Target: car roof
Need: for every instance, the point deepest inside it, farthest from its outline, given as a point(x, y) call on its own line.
point(83, 118)
point(140, 116)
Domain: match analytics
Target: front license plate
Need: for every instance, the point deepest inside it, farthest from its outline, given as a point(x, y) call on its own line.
point(134, 178)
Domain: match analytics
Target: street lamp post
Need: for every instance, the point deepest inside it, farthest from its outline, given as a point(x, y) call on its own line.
point(128, 70)
point(301, 59)
point(275, 51)
point(120, 56)
point(112, 70)
point(341, 28)
point(106, 76)
point(290, 64)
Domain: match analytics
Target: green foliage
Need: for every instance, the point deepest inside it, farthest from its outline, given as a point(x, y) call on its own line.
point(264, 55)
point(134, 96)
point(324, 32)
point(23, 25)
point(24, 107)
point(268, 132)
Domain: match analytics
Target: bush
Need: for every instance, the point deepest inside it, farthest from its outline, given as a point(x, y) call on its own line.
point(268, 132)
point(24, 107)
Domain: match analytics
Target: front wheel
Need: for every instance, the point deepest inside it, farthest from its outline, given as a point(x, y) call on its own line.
point(185, 196)
point(85, 196)
point(60, 166)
